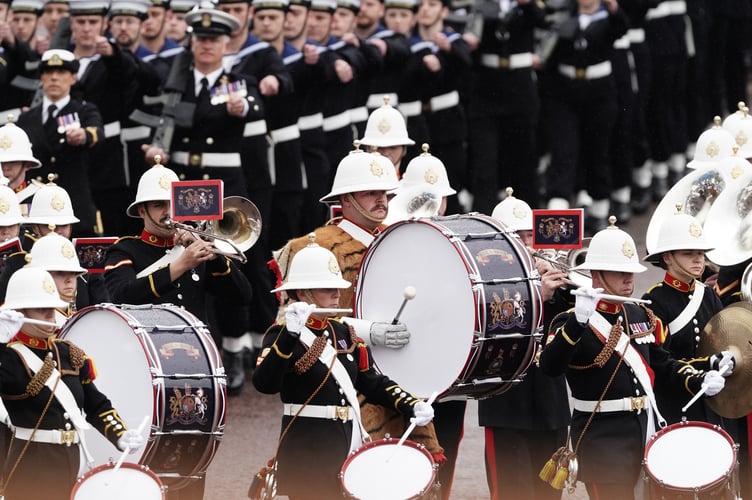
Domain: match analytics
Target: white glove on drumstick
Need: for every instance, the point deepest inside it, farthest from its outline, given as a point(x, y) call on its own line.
point(585, 301)
point(296, 315)
point(10, 323)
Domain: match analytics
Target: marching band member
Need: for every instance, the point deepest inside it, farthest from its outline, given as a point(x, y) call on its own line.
point(46, 384)
point(683, 304)
point(386, 133)
point(11, 219)
point(17, 160)
point(166, 266)
point(610, 351)
point(524, 424)
point(316, 363)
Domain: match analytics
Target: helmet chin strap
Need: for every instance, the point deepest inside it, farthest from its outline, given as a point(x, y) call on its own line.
point(607, 289)
point(362, 211)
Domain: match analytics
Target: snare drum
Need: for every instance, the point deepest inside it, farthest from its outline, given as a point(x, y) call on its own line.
point(381, 470)
point(474, 321)
point(689, 458)
point(127, 482)
point(160, 361)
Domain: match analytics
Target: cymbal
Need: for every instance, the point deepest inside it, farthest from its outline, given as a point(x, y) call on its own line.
point(731, 330)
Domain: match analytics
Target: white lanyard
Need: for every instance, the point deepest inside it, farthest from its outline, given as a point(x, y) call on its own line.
point(689, 312)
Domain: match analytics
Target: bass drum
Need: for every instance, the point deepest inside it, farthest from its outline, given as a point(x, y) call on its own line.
point(474, 321)
point(158, 361)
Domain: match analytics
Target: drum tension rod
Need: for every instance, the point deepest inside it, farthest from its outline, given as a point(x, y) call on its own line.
point(478, 236)
point(499, 281)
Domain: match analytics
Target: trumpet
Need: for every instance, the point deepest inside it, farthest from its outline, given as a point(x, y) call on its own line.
point(565, 261)
point(237, 231)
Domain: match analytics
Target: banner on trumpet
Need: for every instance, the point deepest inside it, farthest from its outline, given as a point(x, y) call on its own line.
point(557, 229)
point(197, 200)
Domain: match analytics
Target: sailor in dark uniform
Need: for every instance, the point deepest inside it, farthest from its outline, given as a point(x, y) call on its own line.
point(23, 51)
point(16, 161)
point(63, 131)
point(294, 363)
point(48, 416)
point(610, 351)
point(503, 103)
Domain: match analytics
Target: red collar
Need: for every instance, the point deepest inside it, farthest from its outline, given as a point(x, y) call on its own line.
point(33, 342)
point(609, 307)
point(317, 324)
point(21, 187)
point(157, 241)
point(678, 284)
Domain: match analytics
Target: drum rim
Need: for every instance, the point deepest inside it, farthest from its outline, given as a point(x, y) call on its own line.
point(111, 465)
point(689, 424)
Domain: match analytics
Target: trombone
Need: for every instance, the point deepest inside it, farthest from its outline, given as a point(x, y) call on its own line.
point(237, 231)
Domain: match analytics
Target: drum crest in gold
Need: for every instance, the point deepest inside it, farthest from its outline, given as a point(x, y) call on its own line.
point(731, 330)
point(188, 407)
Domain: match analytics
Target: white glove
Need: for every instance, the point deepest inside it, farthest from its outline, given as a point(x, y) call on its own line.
point(714, 382)
point(131, 440)
point(10, 323)
point(586, 299)
point(296, 315)
point(389, 335)
point(721, 360)
point(423, 413)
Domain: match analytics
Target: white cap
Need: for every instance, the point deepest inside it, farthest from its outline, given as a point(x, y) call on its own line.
point(386, 127)
point(53, 252)
point(713, 144)
point(51, 205)
point(612, 249)
point(514, 213)
point(679, 232)
point(31, 288)
point(15, 145)
point(154, 185)
point(361, 171)
point(313, 267)
point(10, 211)
point(426, 169)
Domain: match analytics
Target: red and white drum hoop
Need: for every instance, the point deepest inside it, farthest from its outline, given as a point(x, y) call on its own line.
point(129, 481)
point(382, 470)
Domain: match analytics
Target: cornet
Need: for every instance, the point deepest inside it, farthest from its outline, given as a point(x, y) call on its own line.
point(565, 261)
point(237, 230)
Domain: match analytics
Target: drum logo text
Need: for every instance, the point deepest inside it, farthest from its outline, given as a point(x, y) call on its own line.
point(168, 350)
point(484, 256)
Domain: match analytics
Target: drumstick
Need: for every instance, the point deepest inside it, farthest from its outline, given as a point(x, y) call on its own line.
point(128, 448)
point(329, 310)
point(703, 388)
point(409, 294)
point(411, 427)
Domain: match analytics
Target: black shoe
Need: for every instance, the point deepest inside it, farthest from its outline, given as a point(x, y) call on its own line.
point(660, 188)
point(233, 362)
point(640, 201)
point(621, 211)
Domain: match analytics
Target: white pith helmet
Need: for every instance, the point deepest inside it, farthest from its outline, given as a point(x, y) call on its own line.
point(713, 144)
point(313, 267)
point(15, 145)
point(154, 185)
point(53, 252)
point(361, 171)
point(741, 132)
point(612, 249)
point(10, 211)
point(427, 169)
point(514, 213)
point(386, 127)
point(741, 110)
point(32, 287)
point(51, 205)
point(679, 232)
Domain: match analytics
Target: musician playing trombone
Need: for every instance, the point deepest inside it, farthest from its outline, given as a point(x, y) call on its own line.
point(610, 350)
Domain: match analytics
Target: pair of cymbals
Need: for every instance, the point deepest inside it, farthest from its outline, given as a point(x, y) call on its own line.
point(731, 330)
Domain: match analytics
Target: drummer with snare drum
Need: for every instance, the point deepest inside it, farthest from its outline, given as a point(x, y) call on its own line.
point(47, 385)
point(610, 351)
point(316, 362)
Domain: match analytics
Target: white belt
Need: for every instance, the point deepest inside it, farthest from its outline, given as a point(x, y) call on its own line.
point(47, 436)
point(135, 133)
point(624, 404)
point(412, 108)
point(514, 61)
point(254, 128)
point(336, 122)
point(377, 100)
point(285, 134)
point(206, 159)
point(359, 114)
point(309, 122)
point(636, 35)
point(593, 72)
point(15, 112)
point(111, 129)
point(443, 101)
point(342, 413)
point(665, 9)
point(623, 42)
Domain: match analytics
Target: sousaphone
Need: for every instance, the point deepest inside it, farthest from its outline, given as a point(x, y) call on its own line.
point(729, 223)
